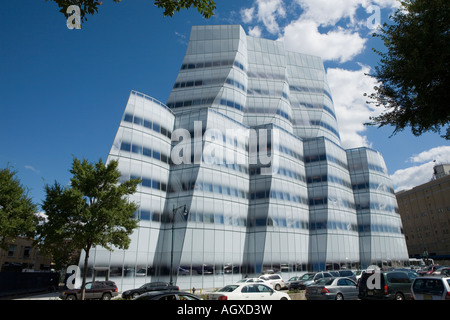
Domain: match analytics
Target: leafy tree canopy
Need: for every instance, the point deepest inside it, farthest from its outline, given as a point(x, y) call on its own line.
point(204, 7)
point(93, 211)
point(414, 72)
point(18, 214)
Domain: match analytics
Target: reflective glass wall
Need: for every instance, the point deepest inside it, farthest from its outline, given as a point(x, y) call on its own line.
point(243, 172)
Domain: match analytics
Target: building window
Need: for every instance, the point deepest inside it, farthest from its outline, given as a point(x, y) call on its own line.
point(26, 252)
point(12, 250)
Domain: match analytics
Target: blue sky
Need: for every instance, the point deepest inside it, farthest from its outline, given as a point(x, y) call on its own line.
point(63, 92)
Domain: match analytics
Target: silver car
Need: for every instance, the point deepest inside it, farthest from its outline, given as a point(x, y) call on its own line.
point(339, 288)
point(431, 288)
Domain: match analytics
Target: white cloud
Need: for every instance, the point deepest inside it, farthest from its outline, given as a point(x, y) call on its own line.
point(352, 111)
point(440, 154)
point(247, 14)
point(255, 32)
point(337, 44)
point(327, 13)
point(304, 33)
point(28, 167)
point(266, 12)
point(404, 179)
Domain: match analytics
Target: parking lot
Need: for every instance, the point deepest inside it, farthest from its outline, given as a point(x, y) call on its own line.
point(431, 283)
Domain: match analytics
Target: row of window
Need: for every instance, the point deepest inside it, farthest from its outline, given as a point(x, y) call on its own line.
point(210, 64)
point(151, 183)
point(373, 186)
point(267, 92)
point(199, 83)
point(377, 206)
point(231, 104)
point(221, 219)
point(189, 103)
point(283, 114)
point(325, 157)
point(314, 106)
point(325, 201)
point(333, 225)
point(303, 89)
point(235, 192)
point(266, 75)
point(139, 149)
point(331, 178)
point(325, 125)
point(282, 171)
point(374, 227)
point(361, 166)
point(149, 124)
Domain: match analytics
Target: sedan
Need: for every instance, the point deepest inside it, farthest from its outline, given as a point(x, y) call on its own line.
point(248, 291)
point(339, 288)
point(250, 280)
point(151, 286)
point(167, 296)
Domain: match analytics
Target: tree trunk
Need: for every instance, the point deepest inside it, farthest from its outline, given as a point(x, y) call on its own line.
point(83, 284)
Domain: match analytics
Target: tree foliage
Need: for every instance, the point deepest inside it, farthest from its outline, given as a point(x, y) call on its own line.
point(93, 211)
point(414, 72)
point(204, 7)
point(18, 213)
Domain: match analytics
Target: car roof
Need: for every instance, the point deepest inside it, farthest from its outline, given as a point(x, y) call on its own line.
point(434, 276)
point(155, 293)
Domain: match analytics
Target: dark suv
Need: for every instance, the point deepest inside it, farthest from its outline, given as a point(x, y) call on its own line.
point(151, 286)
point(382, 285)
point(103, 290)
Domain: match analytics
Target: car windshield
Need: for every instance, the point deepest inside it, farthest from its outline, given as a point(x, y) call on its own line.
point(307, 276)
point(228, 288)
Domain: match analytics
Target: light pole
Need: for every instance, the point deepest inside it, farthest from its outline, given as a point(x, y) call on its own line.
point(174, 212)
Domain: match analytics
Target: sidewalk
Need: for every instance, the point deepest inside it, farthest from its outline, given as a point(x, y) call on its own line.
point(43, 296)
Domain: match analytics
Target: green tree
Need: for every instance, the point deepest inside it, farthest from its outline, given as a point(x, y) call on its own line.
point(18, 213)
point(93, 211)
point(205, 7)
point(414, 72)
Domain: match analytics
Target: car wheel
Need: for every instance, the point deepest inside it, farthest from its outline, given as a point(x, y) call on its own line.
point(106, 296)
point(284, 298)
point(71, 297)
point(277, 287)
point(399, 296)
point(134, 295)
point(339, 297)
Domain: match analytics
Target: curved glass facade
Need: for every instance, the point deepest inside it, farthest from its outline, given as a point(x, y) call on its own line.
point(242, 172)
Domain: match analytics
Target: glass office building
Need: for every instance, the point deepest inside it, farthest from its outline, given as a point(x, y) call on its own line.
point(243, 172)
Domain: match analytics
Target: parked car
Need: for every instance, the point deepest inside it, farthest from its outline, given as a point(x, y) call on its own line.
point(347, 274)
point(151, 286)
point(308, 279)
point(445, 271)
point(247, 291)
point(274, 280)
point(250, 280)
point(291, 279)
point(103, 290)
point(431, 288)
point(411, 272)
point(167, 295)
point(387, 285)
point(430, 269)
point(340, 288)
